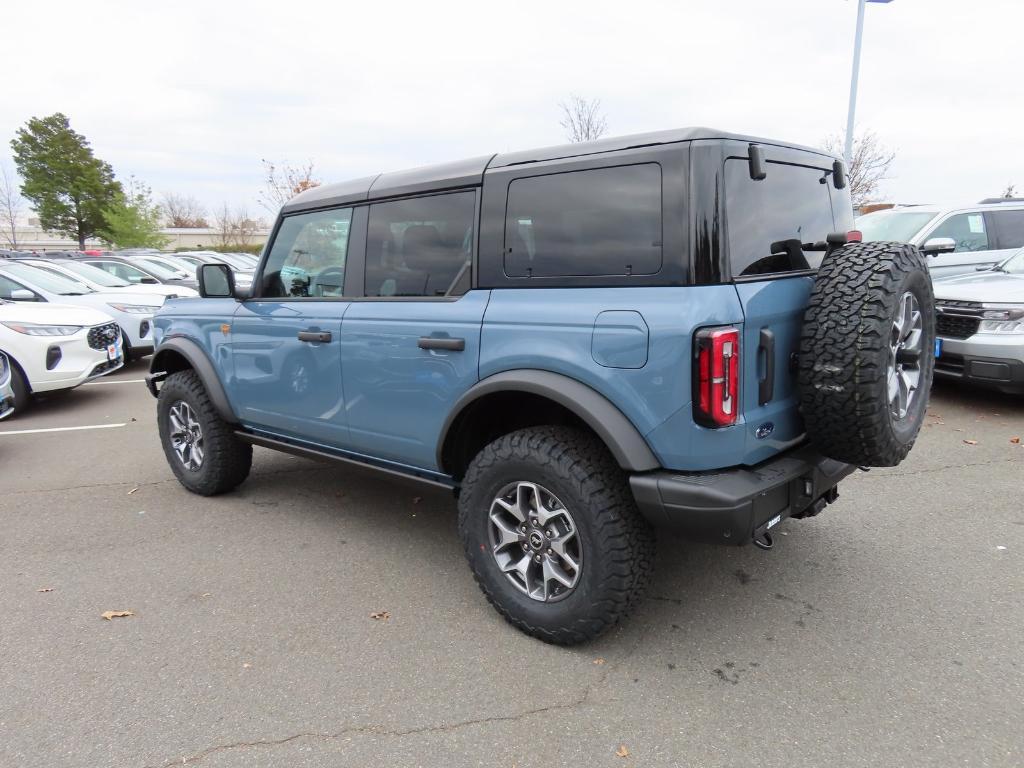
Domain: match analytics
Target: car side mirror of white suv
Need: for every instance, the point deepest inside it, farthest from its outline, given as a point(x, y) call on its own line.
point(23, 294)
point(936, 245)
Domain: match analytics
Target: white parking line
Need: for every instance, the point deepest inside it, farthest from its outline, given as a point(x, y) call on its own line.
point(60, 429)
point(118, 381)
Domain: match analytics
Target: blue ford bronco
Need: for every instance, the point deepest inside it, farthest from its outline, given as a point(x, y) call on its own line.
point(585, 342)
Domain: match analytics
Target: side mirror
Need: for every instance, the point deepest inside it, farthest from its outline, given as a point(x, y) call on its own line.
point(22, 294)
point(216, 281)
point(936, 245)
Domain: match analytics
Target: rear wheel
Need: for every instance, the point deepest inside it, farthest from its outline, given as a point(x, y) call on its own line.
point(553, 534)
point(867, 353)
point(201, 448)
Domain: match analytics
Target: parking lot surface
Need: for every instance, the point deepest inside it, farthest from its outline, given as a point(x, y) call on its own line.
point(887, 631)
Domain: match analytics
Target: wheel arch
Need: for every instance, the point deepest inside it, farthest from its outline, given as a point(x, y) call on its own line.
point(179, 354)
point(559, 397)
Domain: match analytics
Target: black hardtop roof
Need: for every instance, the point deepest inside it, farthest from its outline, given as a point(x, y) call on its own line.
point(468, 173)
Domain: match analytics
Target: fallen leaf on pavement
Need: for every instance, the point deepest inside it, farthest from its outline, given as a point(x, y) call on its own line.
point(108, 615)
point(133, 490)
point(971, 442)
point(622, 751)
point(45, 589)
point(381, 615)
point(599, 661)
point(246, 665)
point(1015, 440)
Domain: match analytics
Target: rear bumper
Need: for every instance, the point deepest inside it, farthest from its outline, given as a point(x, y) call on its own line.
point(733, 506)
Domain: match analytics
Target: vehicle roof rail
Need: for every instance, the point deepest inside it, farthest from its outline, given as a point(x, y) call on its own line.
point(994, 200)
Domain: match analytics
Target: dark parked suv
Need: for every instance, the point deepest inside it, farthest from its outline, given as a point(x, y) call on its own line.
point(583, 342)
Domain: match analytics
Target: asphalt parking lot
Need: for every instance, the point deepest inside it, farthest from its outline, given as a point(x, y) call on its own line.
point(887, 631)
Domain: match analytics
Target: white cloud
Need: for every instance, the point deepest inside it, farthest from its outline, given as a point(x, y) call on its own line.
point(190, 96)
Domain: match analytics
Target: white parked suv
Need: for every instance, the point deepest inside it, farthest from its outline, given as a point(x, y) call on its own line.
point(133, 312)
point(52, 347)
point(956, 240)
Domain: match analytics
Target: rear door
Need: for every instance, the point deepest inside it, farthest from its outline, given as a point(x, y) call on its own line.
point(286, 341)
point(411, 343)
point(766, 222)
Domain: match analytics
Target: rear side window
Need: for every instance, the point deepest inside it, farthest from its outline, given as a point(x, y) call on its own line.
point(968, 230)
point(1009, 227)
point(605, 221)
point(769, 219)
point(422, 246)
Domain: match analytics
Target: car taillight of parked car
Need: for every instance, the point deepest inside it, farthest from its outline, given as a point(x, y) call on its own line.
point(716, 376)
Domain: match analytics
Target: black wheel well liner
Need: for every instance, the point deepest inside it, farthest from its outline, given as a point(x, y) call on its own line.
point(513, 400)
point(179, 354)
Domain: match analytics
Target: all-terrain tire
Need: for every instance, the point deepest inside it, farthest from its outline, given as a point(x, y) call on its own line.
point(226, 460)
point(617, 543)
point(846, 353)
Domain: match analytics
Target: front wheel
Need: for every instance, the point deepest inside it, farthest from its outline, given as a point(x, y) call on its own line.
point(201, 448)
point(553, 534)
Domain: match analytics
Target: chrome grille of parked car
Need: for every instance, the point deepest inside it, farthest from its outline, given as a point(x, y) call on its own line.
point(103, 335)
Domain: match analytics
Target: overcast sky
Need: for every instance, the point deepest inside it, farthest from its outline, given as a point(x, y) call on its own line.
point(189, 96)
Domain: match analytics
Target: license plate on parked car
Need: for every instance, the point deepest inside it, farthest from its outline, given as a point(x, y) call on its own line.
point(112, 352)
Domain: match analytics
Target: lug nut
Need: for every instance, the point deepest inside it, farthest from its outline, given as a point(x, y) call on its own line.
point(550, 533)
point(522, 529)
point(536, 558)
point(551, 551)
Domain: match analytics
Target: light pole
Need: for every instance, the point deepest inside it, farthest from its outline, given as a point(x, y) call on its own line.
point(848, 154)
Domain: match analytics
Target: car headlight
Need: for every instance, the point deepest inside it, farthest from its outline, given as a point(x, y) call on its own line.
point(134, 309)
point(35, 329)
point(1002, 318)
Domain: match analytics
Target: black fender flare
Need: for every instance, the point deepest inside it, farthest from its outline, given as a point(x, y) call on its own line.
point(623, 439)
point(200, 363)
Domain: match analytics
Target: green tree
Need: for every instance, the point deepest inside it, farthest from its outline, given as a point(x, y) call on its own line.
point(132, 220)
point(67, 185)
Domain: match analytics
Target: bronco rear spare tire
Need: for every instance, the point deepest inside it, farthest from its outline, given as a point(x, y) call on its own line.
point(867, 353)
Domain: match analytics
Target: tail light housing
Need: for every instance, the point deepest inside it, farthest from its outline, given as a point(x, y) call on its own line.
point(716, 376)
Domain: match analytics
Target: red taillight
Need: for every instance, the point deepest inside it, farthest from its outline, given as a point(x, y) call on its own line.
point(854, 236)
point(716, 376)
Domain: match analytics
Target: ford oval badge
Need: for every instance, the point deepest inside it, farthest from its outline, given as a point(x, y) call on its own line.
point(764, 430)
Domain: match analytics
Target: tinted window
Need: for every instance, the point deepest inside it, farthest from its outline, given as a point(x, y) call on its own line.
point(791, 204)
point(1010, 228)
point(420, 247)
point(967, 230)
point(308, 256)
point(605, 221)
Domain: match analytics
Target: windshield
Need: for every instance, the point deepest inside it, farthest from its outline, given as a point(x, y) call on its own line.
point(161, 270)
point(94, 274)
point(47, 281)
point(896, 226)
point(1014, 265)
point(233, 261)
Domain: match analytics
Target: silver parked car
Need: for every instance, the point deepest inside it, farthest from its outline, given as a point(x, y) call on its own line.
point(956, 240)
point(980, 326)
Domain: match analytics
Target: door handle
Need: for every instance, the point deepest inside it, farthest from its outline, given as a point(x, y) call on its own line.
point(441, 342)
point(315, 337)
point(766, 386)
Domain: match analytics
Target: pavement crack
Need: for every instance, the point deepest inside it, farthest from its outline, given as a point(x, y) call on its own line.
point(379, 730)
point(943, 468)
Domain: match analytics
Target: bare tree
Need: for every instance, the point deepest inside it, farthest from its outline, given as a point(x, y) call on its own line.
point(1010, 191)
point(234, 227)
point(11, 206)
point(183, 211)
point(868, 167)
point(582, 119)
point(282, 182)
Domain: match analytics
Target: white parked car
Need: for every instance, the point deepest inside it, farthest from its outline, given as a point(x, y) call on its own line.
point(133, 312)
point(51, 347)
point(101, 280)
point(6, 391)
